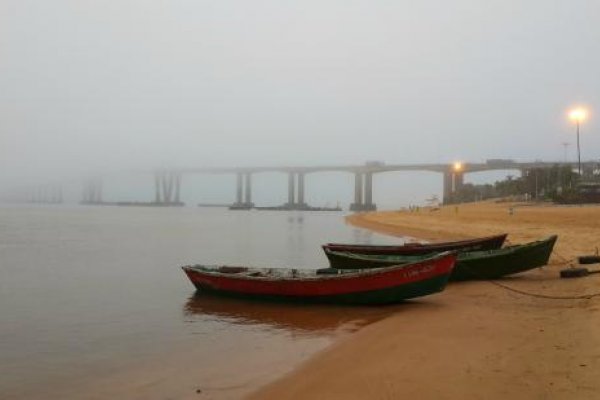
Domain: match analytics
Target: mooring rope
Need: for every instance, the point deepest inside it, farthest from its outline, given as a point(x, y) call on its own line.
point(544, 296)
point(565, 261)
point(538, 295)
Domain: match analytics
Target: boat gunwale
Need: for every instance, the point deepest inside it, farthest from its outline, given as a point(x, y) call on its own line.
point(466, 255)
point(355, 273)
point(418, 245)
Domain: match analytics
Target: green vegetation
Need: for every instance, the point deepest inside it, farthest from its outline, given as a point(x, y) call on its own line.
point(556, 184)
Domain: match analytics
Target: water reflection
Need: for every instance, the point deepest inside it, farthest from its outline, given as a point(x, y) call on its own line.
point(78, 330)
point(295, 236)
point(295, 318)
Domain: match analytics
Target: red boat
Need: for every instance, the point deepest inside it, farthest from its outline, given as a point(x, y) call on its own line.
point(371, 286)
point(416, 248)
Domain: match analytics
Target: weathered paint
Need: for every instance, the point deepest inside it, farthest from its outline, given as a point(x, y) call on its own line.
point(469, 265)
point(485, 243)
point(383, 285)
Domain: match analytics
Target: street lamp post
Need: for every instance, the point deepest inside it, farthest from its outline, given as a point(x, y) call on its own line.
point(578, 151)
point(578, 115)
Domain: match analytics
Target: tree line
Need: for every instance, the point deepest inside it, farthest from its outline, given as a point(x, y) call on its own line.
point(558, 183)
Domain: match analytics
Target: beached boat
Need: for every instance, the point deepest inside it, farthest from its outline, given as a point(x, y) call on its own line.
point(484, 243)
point(372, 286)
point(487, 264)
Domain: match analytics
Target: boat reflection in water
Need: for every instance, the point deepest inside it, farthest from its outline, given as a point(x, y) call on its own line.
point(291, 317)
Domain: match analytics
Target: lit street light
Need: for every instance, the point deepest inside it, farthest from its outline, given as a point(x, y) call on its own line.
point(457, 167)
point(578, 115)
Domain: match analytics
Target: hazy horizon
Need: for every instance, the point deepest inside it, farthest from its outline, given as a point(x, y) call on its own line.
point(90, 87)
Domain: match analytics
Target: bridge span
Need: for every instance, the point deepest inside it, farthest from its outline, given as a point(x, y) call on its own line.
point(168, 182)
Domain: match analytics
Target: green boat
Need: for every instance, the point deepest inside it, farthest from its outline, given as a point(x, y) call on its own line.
point(487, 264)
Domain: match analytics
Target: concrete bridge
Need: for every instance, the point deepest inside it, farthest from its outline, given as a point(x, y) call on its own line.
point(167, 182)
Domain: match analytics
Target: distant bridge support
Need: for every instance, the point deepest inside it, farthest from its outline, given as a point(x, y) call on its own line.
point(248, 194)
point(369, 191)
point(291, 191)
point(47, 194)
point(358, 192)
point(363, 192)
point(301, 203)
point(167, 187)
point(243, 199)
point(296, 197)
point(92, 191)
point(453, 183)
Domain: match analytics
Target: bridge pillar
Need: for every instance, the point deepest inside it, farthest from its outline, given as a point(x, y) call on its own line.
point(369, 206)
point(301, 204)
point(291, 191)
point(296, 199)
point(363, 192)
point(92, 191)
point(248, 195)
point(157, 187)
point(49, 194)
point(358, 189)
point(99, 190)
point(167, 188)
point(177, 187)
point(244, 192)
point(453, 183)
point(459, 181)
point(240, 189)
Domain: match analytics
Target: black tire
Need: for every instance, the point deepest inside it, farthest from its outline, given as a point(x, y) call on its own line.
point(588, 259)
point(574, 272)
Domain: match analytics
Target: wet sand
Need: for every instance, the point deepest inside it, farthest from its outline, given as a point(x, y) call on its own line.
point(475, 340)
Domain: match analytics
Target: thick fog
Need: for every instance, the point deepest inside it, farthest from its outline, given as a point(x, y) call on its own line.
point(109, 86)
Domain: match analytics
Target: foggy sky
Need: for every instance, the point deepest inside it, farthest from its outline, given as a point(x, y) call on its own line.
point(109, 85)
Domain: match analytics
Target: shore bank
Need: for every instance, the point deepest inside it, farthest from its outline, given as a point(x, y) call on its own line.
point(475, 340)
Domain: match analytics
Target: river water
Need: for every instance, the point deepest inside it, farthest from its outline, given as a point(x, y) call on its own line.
point(93, 304)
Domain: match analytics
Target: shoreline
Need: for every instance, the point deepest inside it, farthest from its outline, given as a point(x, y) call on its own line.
point(474, 340)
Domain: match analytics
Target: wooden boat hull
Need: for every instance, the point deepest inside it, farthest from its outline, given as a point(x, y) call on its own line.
point(489, 264)
point(485, 243)
point(374, 286)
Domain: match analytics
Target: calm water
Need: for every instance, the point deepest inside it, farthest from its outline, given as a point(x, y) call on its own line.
point(93, 303)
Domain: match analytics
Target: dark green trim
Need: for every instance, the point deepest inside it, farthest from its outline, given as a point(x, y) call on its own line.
point(490, 264)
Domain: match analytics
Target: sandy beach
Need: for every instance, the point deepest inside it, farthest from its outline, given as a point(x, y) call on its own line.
point(476, 340)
